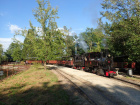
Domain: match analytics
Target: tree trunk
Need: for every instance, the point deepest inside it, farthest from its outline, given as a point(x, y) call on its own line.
point(44, 65)
point(98, 46)
point(90, 48)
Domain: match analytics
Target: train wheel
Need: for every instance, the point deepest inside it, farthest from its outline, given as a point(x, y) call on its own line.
point(81, 68)
point(74, 67)
point(100, 72)
point(86, 69)
point(95, 70)
point(111, 75)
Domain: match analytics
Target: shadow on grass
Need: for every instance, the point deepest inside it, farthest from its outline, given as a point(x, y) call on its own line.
point(44, 93)
point(41, 95)
point(52, 68)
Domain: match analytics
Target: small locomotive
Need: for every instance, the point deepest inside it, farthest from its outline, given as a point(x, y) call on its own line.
point(100, 63)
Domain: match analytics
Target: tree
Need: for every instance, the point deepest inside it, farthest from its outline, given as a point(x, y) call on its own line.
point(16, 50)
point(51, 39)
point(93, 38)
point(124, 40)
point(1, 53)
point(8, 54)
point(45, 42)
point(29, 45)
point(69, 42)
point(116, 10)
point(123, 31)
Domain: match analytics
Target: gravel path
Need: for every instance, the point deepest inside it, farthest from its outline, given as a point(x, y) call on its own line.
point(75, 96)
point(115, 90)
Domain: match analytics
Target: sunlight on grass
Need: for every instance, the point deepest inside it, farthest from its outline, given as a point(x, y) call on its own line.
point(34, 86)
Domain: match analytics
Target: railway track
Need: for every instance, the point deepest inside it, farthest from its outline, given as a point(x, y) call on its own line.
point(137, 85)
point(127, 82)
point(77, 88)
point(93, 94)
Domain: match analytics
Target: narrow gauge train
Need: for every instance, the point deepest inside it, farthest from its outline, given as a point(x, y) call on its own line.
point(100, 63)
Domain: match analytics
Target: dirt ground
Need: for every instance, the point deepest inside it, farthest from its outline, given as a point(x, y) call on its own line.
point(114, 89)
point(71, 90)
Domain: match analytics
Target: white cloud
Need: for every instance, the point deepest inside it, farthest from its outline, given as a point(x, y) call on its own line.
point(60, 28)
point(5, 42)
point(14, 28)
point(71, 33)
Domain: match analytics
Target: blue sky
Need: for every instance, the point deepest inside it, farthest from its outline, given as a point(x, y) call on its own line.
point(75, 14)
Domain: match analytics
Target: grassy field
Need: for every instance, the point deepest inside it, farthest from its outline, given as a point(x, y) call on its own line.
point(33, 87)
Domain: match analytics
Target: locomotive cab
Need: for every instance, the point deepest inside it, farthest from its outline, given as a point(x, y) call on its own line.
point(92, 60)
point(78, 62)
point(102, 64)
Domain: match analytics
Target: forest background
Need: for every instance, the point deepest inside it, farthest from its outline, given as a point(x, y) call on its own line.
point(120, 34)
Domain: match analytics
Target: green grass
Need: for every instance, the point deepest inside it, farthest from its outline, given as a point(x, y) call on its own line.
point(33, 87)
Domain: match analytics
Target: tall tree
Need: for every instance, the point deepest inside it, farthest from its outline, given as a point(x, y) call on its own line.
point(69, 42)
point(50, 36)
point(123, 31)
point(29, 45)
point(116, 10)
point(14, 52)
point(45, 42)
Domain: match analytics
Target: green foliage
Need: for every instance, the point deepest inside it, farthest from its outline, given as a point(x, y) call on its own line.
point(16, 49)
point(14, 52)
point(116, 10)
point(124, 30)
point(93, 38)
point(1, 52)
point(125, 39)
point(8, 54)
point(69, 42)
point(45, 42)
point(28, 46)
point(51, 41)
point(37, 87)
point(3, 57)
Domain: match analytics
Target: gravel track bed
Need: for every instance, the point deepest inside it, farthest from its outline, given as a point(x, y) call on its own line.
point(116, 90)
point(75, 96)
point(132, 80)
point(95, 95)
